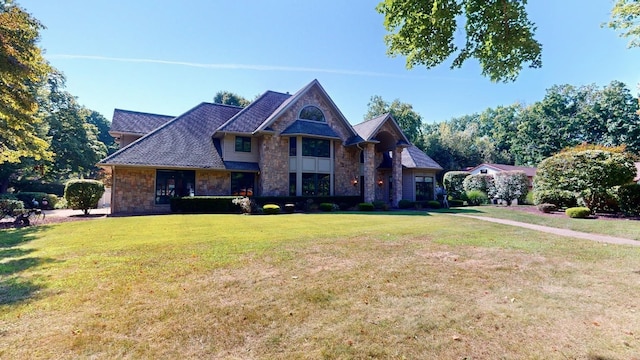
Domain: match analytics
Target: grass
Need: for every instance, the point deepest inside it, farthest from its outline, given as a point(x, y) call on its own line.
point(629, 229)
point(335, 286)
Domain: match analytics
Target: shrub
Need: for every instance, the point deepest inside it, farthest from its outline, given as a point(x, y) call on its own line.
point(380, 205)
point(83, 194)
point(434, 204)
point(547, 208)
point(244, 203)
point(328, 207)
point(207, 205)
point(477, 197)
point(365, 207)
point(271, 209)
point(456, 203)
point(405, 204)
point(27, 198)
point(560, 198)
point(482, 182)
point(289, 208)
point(629, 199)
point(511, 185)
point(9, 207)
point(578, 212)
point(454, 183)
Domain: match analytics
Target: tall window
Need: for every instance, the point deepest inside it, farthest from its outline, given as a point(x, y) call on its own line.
point(172, 183)
point(243, 144)
point(316, 184)
point(311, 113)
point(242, 183)
point(293, 146)
point(424, 188)
point(292, 184)
point(316, 147)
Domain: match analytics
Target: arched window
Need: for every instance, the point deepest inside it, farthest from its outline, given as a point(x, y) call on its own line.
point(312, 113)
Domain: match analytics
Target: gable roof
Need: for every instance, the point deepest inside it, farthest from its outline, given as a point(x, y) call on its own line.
point(530, 171)
point(369, 128)
point(306, 127)
point(413, 157)
point(183, 142)
point(138, 123)
point(284, 106)
point(254, 115)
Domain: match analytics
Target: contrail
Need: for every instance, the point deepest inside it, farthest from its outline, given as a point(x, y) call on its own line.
point(232, 66)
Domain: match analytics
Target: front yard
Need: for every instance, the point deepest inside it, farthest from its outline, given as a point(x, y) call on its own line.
point(356, 285)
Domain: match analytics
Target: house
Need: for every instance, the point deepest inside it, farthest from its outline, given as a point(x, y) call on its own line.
point(279, 145)
point(637, 178)
point(495, 168)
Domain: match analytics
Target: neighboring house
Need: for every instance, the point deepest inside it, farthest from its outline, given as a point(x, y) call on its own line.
point(637, 178)
point(496, 168)
point(279, 145)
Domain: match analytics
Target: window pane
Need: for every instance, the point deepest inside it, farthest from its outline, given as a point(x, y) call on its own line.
point(243, 144)
point(171, 183)
point(312, 113)
point(242, 184)
point(292, 184)
point(424, 189)
point(293, 146)
point(324, 184)
point(308, 184)
point(316, 147)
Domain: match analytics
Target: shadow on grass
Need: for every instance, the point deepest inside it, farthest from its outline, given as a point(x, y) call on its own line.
point(375, 213)
point(457, 210)
point(13, 288)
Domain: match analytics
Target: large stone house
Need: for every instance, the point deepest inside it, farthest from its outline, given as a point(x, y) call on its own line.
point(279, 145)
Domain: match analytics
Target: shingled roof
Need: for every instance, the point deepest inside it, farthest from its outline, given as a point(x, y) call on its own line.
point(413, 157)
point(369, 129)
point(251, 117)
point(183, 142)
point(134, 122)
point(306, 127)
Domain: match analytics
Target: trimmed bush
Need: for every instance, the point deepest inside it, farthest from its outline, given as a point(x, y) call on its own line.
point(434, 204)
point(629, 199)
point(456, 203)
point(365, 207)
point(27, 198)
point(289, 208)
point(477, 197)
point(578, 212)
point(308, 203)
point(206, 205)
point(83, 194)
point(9, 207)
point(453, 182)
point(560, 198)
point(547, 208)
point(328, 207)
point(482, 182)
point(380, 205)
point(271, 209)
point(405, 204)
point(511, 185)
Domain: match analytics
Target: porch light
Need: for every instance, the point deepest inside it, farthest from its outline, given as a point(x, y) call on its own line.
point(380, 182)
point(354, 181)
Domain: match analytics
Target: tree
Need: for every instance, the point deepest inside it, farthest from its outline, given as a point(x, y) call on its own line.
point(453, 182)
point(588, 172)
point(102, 125)
point(625, 17)
point(498, 34)
point(511, 185)
point(408, 119)
point(83, 194)
point(22, 68)
point(229, 98)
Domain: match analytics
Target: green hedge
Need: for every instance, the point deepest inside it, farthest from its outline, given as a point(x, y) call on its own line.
point(365, 206)
point(204, 205)
point(629, 199)
point(456, 203)
point(305, 202)
point(27, 198)
point(406, 204)
point(271, 209)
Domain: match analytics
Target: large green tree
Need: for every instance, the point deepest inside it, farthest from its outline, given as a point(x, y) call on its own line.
point(498, 34)
point(408, 119)
point(22, 69)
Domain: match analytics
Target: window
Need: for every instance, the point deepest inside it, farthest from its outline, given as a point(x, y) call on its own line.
point(292, 184)
point(316, 184)
point(316, 147)
point(172, 183)
point(243, 144)
point(242, 183)
point(483, 171)
point(293, 146)
point(311, 113)
point(424, 188)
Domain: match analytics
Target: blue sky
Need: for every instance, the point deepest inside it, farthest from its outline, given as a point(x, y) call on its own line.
point(165, 57)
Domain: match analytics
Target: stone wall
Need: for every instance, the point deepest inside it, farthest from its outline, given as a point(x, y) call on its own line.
point(134, 190)
point(211, 183)
point(347, 166)
point(274, 166)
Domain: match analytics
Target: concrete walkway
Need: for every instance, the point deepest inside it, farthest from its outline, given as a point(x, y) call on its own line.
point(69, 212)
point(562, 232)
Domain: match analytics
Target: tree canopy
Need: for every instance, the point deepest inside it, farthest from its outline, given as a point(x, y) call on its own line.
point(22, 69)
point(497, 33)
point(229, 98)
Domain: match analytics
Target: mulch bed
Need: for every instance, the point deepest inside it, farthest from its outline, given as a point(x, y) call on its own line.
point(602, 216)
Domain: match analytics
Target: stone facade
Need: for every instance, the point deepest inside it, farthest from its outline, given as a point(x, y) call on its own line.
point(274, 162)
point(211, 183)
point(134, 191)
point(346, 168)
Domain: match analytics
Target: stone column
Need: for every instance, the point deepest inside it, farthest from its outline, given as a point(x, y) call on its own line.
point(369, 173)
point(396, 173)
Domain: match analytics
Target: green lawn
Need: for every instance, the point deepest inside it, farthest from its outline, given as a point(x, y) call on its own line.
point(377, 285)
point(629, 229)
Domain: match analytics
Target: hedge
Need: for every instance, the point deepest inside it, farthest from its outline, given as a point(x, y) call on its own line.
point(204, 205)
point(629, 199)
point(27, 198)
point(271, 209)
point(365, 207)
point(405, 204)
point(578, 212)
point(305, 202)
point(83, 194)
